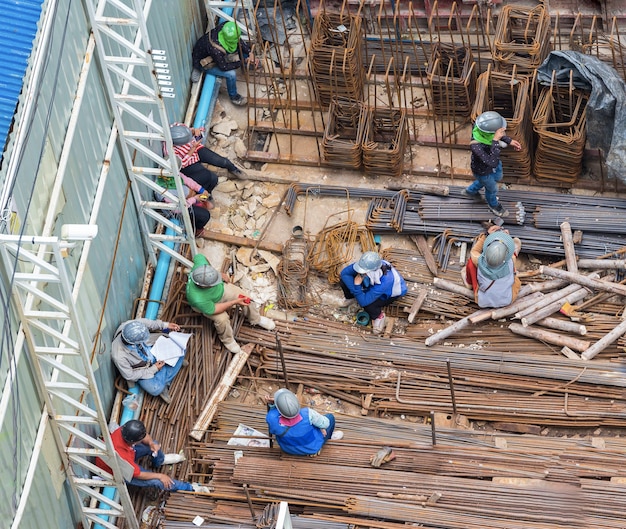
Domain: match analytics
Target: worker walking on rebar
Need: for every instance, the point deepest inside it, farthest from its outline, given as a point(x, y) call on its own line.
point(298, 431)
point(491, 272)
point(488, 139)
point(132, 442)
point(374, 283)
point(212, 294)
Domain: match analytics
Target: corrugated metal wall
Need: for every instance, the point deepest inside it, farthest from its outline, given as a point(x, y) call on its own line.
point(116, 264)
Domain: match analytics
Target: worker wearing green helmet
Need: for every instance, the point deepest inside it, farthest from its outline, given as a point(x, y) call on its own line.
point(220, 53)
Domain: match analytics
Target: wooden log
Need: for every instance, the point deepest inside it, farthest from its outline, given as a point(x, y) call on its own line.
point(547, 300)
point(429, 189)
point(241, 241)
point(605, 341)
point(417, 305)
point(563, 325)
point(516, 427)
point(568, 247)
point(422, 246)
point(569, 353)
point(602, 264)
point(221, 391)
point(451, 286)
point(451, 329)
point(541, 286)
point(549, 337)
point(546, 311)
point(517, 305)
point(587, 281)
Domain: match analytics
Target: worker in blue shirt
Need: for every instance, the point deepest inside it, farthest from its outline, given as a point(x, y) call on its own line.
point(374, 283)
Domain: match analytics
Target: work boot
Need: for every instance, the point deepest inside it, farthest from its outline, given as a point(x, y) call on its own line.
point(233, 347)
point(238, 173)
point(198, 487)
point(499, 210)
point(195, 75)
point(267, 323)
point(239, 100)
point(185, 362)
point(337, 435)
point(165, 396)
point(378, 325)
point(172, 459)
point(347, 303)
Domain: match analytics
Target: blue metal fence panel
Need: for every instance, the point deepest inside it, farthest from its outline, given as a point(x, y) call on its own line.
point(18, 27)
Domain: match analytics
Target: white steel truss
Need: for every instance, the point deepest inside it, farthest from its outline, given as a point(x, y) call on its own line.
point(131, 70)
point(60, 355)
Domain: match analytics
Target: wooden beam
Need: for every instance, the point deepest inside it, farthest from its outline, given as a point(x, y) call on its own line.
point(241, 241)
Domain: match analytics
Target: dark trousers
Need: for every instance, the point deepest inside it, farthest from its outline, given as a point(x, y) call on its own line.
point(373, 309)
point(199, 173)
point(212, 158)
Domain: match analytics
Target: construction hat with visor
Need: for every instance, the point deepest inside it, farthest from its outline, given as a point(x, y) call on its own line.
point(368, 262)
point(490, 122)
point(135, 333)
point(286, 403)
point(133, 431)
point(180, 134)
point(205, 276)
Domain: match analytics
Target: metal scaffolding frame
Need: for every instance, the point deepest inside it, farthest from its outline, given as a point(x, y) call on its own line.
point(44, 299)
point(130, 70)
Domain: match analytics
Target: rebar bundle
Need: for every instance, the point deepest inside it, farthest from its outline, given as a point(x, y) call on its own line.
point(292, 276)
point(560, 122)
point(439, 208)
point(384, 141)
point(599, 219)
point(335, 57)
point(507, 94)
point(333, 247)
point(522, 39)
point(451, 75)
point(342, 145)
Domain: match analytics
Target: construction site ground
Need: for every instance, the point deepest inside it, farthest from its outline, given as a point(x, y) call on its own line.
point(536, 440)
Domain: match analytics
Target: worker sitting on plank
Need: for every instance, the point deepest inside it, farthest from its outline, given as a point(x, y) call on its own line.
point(132, 442)
point(490, 272)
point(298, 431)
point(374, 283)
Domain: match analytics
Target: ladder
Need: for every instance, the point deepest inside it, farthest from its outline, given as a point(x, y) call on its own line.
point(132, 72)
point(60, 356)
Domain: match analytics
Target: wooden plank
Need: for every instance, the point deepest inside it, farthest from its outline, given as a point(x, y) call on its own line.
point(417, 305)
point(422, 246)
point(241, 241)
point(221, 391)
point(367, 402)
point(517, 427)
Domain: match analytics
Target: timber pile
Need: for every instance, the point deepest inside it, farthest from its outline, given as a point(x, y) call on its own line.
point(467, 479)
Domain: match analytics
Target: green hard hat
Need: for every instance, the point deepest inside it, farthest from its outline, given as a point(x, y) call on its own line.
point(229, 36)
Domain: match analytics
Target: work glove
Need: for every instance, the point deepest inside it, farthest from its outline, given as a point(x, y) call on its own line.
point(384, 455)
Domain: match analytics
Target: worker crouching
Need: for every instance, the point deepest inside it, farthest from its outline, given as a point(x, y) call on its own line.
point(298, 431)
point(491, 271)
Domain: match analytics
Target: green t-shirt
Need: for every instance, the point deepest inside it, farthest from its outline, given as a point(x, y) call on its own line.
point(203, 299)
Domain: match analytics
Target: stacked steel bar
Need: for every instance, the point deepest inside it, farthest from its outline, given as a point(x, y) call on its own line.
point(452, 78)
point(560, 121)
point(342, 144)
point(335, 57)
point(384, 142)
point(522, 39)
point(490, 384)
point(439, 208)
point(598, 219)
point(508, 94)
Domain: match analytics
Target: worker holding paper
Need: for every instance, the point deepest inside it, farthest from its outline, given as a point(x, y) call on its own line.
point(138, 359)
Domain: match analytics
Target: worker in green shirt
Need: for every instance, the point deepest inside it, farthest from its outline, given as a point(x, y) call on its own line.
point(212, 294)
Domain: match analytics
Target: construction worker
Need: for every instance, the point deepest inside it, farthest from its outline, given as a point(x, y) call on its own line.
point(189, 147)
point(374, 283)
point(298, 431)
point(212, 294)
point(131, 354)
point(219, 52)
point(132, 442)
point(490, 272)
point(488, 139)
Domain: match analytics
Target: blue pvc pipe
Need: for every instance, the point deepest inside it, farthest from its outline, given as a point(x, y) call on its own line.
point(206, 101)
